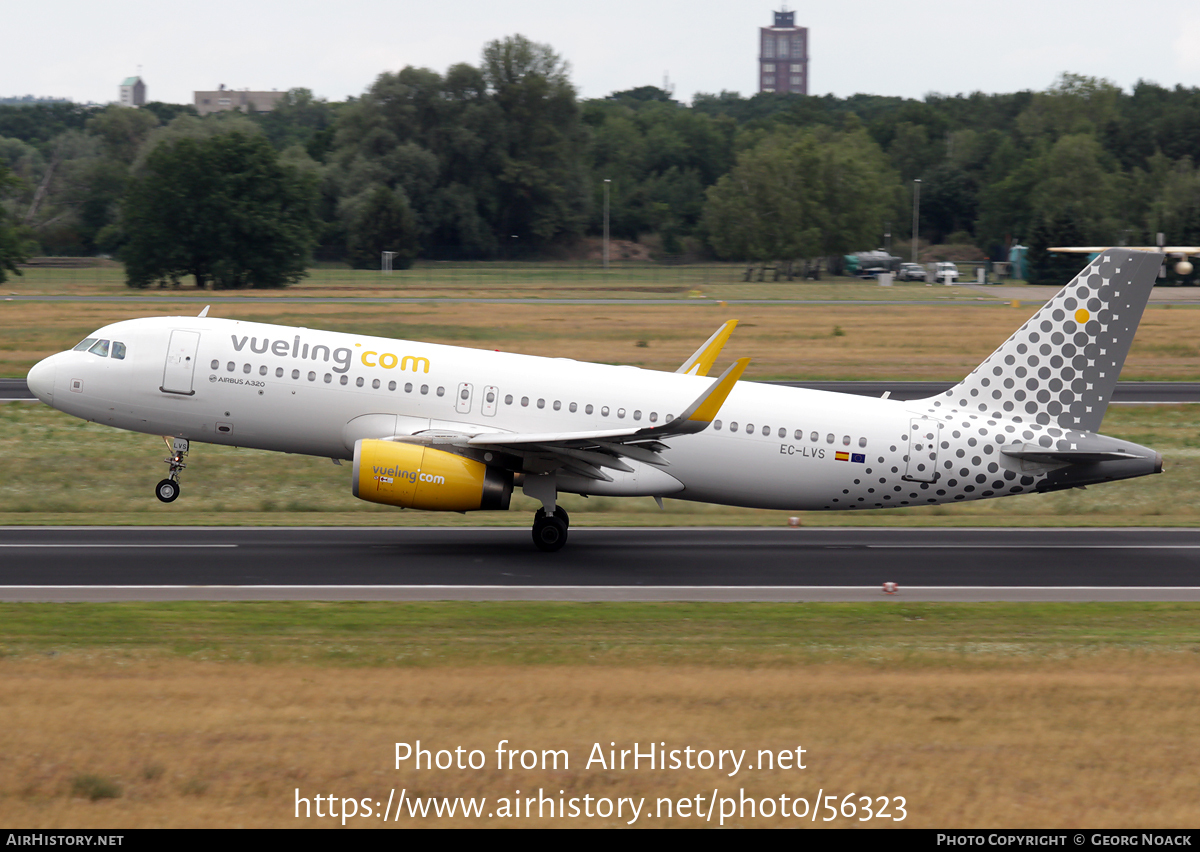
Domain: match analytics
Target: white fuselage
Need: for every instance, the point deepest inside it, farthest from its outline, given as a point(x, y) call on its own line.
point(300, 390)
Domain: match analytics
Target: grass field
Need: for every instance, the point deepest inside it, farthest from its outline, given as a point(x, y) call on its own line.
point(900, 342)
point(56, 469)
point(624, 280)
point(194, 714)
point(990, 715)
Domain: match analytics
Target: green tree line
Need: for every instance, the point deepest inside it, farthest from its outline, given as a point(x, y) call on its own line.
point(503, 159)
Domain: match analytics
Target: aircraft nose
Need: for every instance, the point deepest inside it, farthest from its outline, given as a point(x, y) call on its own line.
point(41, 380)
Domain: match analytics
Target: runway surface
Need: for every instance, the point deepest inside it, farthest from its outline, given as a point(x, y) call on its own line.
point(1127, 393)
point(598, 564)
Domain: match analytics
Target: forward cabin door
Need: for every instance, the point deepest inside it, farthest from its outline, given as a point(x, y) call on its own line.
point(923, 438)
point(181, 362)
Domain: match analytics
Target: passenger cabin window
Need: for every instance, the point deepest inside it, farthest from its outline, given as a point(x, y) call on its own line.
point(100, 347)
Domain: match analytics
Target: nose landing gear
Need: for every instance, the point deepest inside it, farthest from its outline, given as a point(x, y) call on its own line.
point(168, 489)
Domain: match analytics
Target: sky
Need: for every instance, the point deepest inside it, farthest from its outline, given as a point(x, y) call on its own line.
point(82, 49)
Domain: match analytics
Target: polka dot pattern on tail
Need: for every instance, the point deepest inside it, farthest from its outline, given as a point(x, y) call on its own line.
point(1061, 367)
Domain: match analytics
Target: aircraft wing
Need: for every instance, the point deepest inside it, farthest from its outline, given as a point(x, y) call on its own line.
point(587, 453)
point(702, 359)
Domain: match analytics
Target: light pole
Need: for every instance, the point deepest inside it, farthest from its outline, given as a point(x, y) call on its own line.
point(916, 215)
point(606, 183)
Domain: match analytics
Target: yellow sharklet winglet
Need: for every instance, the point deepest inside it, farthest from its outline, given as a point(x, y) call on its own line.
point(704, 357)
point(704, 410)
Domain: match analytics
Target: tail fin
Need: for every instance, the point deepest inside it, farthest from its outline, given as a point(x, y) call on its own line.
point(1061, 367)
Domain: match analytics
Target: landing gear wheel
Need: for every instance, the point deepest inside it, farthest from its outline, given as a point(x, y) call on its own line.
point(559, 512)
point(549, 534)
point(167, 490)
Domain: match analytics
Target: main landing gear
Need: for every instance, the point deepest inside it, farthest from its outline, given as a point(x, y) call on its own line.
point(168, 489)
point(550, 531)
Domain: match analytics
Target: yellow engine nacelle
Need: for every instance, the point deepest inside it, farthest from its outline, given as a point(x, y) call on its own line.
point(417, 477)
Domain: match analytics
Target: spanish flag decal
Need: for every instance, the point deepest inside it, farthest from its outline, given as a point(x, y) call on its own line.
point(841, 457)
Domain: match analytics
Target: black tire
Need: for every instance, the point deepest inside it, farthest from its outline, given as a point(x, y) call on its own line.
point(549, 534)
point(167, 490)
point(559, 512)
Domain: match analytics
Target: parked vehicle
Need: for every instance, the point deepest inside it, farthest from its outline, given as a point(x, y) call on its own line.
point(868, 264)
point(946, 272)
point(911, 272)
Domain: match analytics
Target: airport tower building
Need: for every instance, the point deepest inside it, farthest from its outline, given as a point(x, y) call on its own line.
point(783, 56)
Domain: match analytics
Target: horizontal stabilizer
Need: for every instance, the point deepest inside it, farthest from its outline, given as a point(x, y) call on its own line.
point(1044, 455)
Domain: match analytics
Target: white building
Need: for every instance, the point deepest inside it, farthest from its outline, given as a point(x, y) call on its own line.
point(133, 92)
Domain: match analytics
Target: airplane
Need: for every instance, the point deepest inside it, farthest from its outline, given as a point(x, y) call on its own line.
point(447, 428)
point(1180, 254)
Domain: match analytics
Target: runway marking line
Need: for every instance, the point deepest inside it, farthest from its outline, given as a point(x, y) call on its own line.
point(440, 587)
point(120, 545)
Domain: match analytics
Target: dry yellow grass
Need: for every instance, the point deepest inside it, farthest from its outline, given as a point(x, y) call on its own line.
point(1108, 741)
point(785, 341)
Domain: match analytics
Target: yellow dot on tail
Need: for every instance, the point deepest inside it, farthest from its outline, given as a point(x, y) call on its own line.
point(1082, 316)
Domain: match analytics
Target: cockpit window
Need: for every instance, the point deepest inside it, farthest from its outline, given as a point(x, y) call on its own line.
point(100, 348)
point(84, 345)
point(118, 350)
